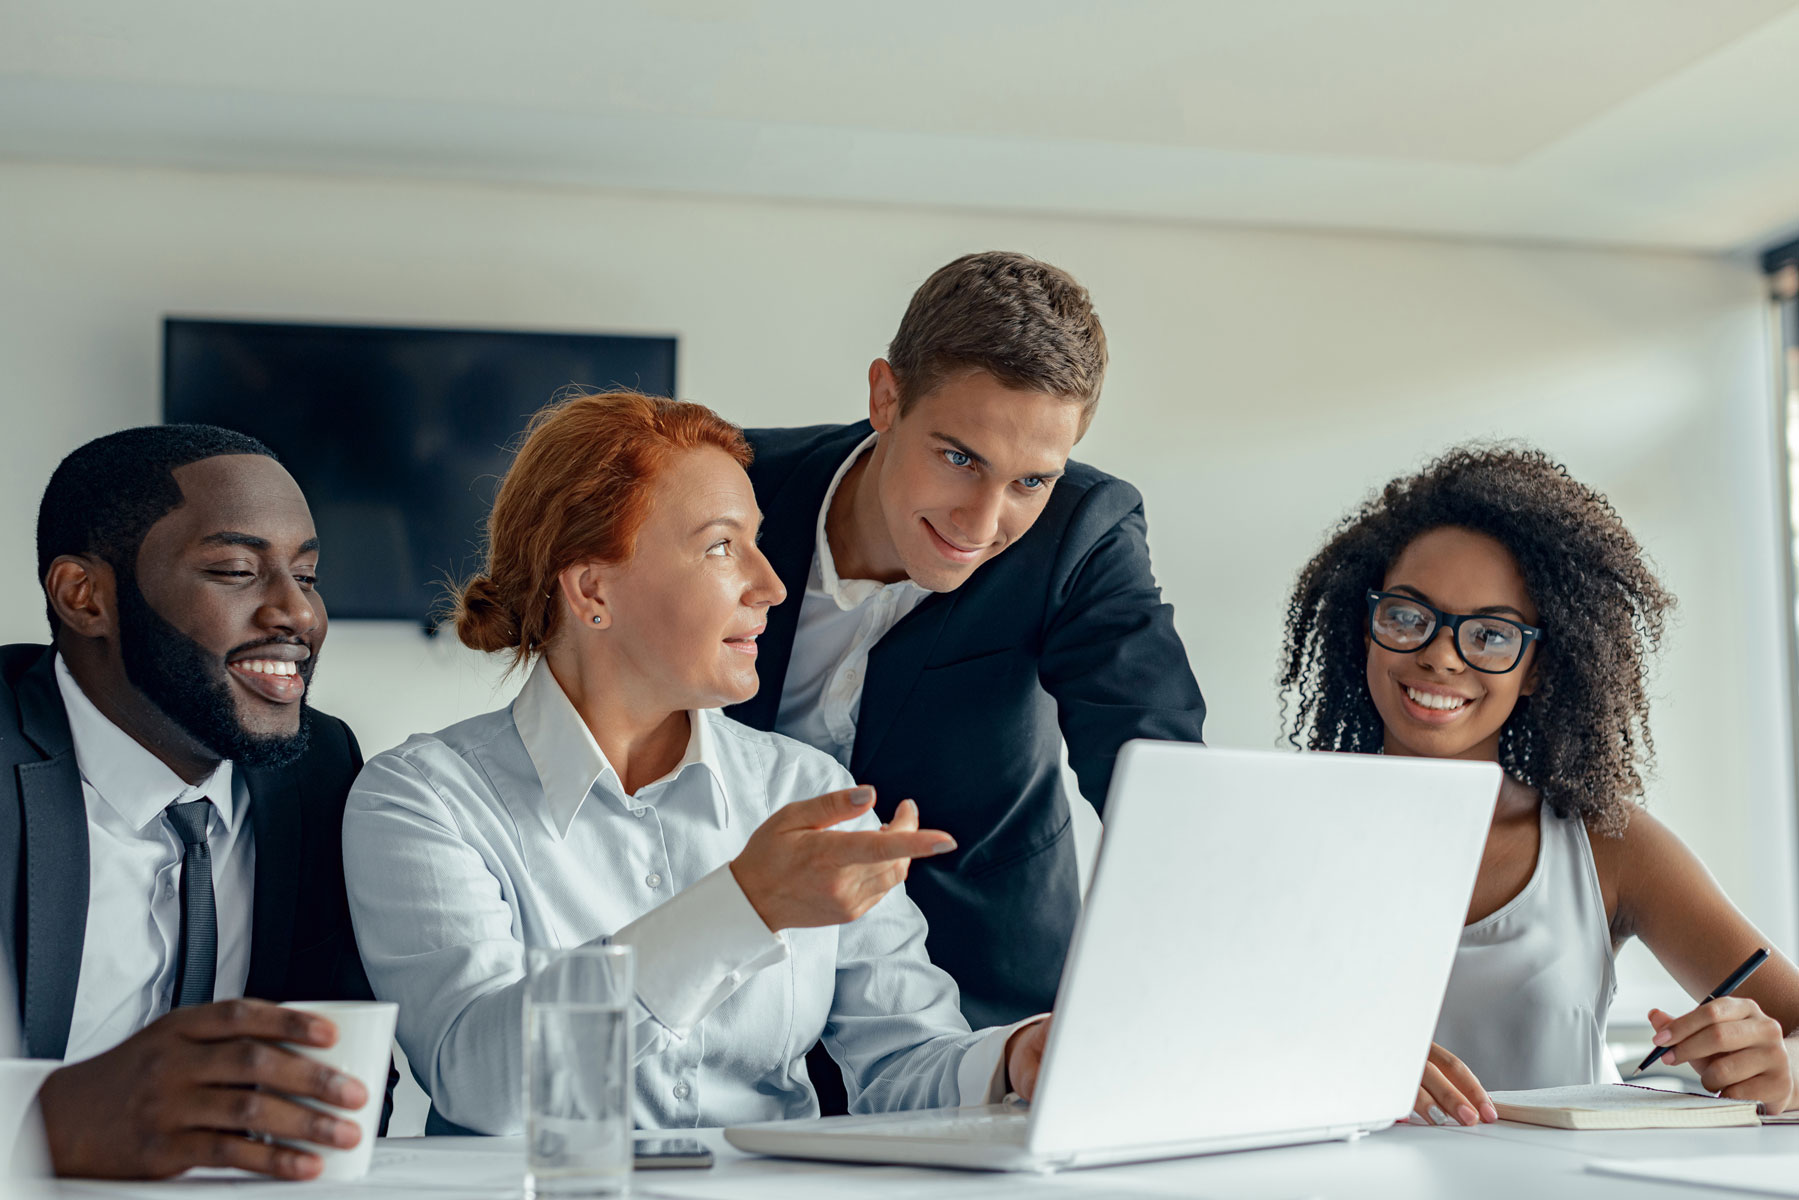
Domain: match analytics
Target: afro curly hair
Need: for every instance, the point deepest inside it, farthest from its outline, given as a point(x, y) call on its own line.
point(1582, 739)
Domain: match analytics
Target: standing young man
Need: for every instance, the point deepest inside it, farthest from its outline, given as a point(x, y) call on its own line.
point(963, 598)
point(170, 816)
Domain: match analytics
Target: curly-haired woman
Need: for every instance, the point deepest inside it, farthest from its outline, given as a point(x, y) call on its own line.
point(1491, 607)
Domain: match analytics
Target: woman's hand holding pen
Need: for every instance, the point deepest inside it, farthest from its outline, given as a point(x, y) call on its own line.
point(1451, 1088)
point(1738, 1050)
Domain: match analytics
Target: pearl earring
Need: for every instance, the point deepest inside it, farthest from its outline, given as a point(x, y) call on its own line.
point(596, 618)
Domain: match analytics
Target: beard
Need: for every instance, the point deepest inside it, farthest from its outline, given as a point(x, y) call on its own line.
point(188, 684)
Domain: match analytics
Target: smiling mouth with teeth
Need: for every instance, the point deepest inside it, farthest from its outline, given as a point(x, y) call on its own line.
point(1435, 701)
point(268, 666)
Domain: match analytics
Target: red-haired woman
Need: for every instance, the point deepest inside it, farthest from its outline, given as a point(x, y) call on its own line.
point(611, 803)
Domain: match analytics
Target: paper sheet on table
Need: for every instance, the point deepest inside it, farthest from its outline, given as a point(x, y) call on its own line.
point(1765, 1174)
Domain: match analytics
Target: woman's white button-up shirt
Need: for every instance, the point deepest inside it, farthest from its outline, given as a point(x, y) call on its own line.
point(463, 847)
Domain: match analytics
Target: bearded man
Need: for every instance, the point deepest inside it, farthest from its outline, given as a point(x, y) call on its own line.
point(169, 818)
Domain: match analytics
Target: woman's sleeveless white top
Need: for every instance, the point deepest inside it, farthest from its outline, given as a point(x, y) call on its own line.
point(1533, 982)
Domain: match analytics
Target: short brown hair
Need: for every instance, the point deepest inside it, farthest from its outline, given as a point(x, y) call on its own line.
point(1026, 323)
point(578, 491)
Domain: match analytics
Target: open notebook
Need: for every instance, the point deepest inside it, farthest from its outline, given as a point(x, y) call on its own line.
point(1622, 1106)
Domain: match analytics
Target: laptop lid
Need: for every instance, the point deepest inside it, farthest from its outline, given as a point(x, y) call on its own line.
point(1264, 946)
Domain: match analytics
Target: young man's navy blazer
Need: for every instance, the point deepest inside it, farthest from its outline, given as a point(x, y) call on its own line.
point(1063, 635)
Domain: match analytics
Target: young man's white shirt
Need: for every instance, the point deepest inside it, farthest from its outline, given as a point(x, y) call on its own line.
point(840, 622)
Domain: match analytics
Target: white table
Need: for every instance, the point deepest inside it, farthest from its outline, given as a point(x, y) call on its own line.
point(1503, 1161)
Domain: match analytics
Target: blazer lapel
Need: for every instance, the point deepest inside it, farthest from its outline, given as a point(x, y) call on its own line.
point(275, 820)
point(790, 537)
point(55, 868)
point(893, 668)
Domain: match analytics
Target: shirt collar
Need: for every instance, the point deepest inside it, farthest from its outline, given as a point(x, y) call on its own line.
point(847, 593)
point(132, 781)
point(570, 763)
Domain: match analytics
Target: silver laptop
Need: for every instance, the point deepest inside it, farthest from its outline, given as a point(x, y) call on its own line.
point(1260, 962)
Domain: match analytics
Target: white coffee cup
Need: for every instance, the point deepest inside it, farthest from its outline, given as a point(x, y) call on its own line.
point(365, 1035)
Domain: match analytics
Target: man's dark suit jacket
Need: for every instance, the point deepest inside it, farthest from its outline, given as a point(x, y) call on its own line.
point(963, 699)
point(301, 943)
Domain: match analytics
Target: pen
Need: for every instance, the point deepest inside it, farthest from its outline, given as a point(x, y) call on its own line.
point(1733, 981)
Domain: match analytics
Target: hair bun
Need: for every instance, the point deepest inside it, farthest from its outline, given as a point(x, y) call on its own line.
point(483, 619)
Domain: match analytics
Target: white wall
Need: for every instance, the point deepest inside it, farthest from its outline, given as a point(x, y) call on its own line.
point(1261, 384)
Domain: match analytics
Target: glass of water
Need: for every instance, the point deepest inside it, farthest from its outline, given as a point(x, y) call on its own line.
point(578, 1086)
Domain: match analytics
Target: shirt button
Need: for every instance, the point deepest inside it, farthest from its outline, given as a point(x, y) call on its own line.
point(850, 675)
point(653, 879)
point(682, 1091)
point(638, 813)
point(168, 887)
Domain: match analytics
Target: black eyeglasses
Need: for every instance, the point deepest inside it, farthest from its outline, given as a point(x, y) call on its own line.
point(1489, 644)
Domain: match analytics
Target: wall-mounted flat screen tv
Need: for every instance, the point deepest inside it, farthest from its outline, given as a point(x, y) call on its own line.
point(398, 437)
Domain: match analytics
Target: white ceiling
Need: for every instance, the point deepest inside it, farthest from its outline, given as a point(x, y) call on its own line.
point(1636, 122)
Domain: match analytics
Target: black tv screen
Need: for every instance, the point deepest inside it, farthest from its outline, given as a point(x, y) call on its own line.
point(398, 437)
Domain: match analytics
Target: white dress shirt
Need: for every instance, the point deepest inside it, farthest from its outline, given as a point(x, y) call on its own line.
point(511, 830)
point(132, 950)
point(840, 622)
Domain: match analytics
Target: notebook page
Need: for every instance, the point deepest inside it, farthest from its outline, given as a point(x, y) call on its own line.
point(1610, 1097)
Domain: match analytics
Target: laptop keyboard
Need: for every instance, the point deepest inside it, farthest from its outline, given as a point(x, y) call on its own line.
point(961, 1127)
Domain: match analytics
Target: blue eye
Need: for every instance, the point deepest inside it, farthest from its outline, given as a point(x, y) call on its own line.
point(956, 458)
point(1032, 482)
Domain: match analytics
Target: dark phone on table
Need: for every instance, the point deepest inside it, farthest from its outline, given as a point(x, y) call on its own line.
point(664, 1153)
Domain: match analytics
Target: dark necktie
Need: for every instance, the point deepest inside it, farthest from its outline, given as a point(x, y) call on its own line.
point(199, 951)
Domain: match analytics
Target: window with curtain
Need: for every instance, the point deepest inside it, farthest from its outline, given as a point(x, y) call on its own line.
point(1782, 265)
